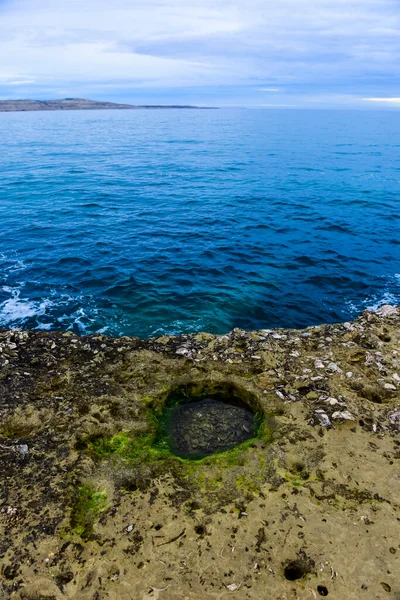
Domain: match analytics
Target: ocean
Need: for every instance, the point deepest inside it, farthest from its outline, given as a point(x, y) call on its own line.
point(158, 222)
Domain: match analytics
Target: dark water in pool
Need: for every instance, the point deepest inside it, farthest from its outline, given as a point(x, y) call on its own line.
point(174, 221)
point(198, 429)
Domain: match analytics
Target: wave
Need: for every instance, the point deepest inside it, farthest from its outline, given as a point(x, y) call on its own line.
point(16, 311)
point(246, 219)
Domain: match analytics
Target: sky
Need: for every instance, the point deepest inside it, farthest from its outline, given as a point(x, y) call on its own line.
point(255, 53)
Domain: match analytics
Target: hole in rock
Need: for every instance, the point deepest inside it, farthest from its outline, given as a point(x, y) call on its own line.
point(322, 590)
point(202, 420)
point(294, 570)
point(200, 530)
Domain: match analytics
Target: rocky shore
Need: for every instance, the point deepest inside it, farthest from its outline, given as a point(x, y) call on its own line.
point(93, 507)
point(77, 104)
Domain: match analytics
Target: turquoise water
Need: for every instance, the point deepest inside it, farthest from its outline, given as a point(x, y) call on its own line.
point(152, 222)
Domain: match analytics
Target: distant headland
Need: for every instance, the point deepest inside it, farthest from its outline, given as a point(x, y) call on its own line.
point(80, 104)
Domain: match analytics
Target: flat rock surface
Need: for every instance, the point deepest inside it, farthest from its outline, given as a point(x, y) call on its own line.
point(91, 510)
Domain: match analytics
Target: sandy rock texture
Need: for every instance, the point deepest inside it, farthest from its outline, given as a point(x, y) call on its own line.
point(91, 508)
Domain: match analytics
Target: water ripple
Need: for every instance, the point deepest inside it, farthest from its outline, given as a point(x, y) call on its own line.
point(145, 223)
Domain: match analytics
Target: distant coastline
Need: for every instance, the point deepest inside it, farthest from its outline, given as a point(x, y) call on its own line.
point(82, 104)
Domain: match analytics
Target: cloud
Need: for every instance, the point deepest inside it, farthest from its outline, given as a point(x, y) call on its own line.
point(384, 100)
point(318, 47)
point(21, 82)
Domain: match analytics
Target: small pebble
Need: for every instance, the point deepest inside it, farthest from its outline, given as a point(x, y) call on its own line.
point(334, 368)
point(390, 386)
point(23, 449)
point(322, 418)
point(344, 415)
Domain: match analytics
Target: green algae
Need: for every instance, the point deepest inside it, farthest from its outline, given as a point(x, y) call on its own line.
point(154, 445)
point(89, 504)
point(138, 462)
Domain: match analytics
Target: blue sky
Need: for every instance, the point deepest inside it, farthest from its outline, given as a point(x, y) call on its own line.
point(256, 53)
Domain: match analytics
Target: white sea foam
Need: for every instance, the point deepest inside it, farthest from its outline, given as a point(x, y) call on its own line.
point(375, 301)
point(81, 318)
point(387, 298)
point(18, 265)
point(17, 310)
point(103, 330)
point(177, 327)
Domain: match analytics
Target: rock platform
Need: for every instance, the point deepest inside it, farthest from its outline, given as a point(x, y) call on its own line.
point(91, 508)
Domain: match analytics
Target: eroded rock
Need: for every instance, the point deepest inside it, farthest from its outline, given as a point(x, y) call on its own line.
point(93, 505)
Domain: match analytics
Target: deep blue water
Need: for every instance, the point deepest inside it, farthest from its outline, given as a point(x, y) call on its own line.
point(146, 222)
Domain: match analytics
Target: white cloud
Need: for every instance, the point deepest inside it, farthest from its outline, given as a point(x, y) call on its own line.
point(20, 82)
point(384, 100)
point(170, 43)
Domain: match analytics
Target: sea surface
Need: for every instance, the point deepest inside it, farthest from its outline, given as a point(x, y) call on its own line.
point(167, 221)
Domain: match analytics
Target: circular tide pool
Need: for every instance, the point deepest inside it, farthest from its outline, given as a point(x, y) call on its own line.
point(207, 425)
